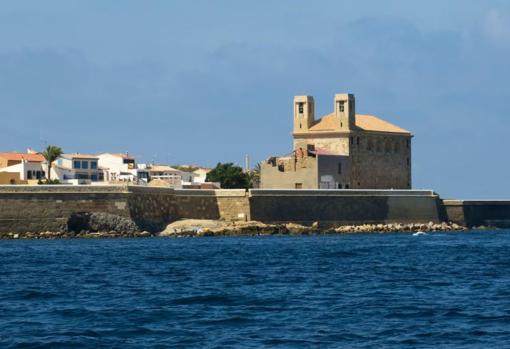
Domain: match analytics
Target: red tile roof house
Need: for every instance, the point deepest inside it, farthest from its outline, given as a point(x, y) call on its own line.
point(30, 166)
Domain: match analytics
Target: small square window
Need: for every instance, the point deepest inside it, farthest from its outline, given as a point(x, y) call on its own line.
point(76, 164)
point(341, 106)
point(85, 164)
point(301, 108)
point(93, 165)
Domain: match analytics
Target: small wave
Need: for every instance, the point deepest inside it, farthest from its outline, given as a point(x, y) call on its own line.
point(420, 233)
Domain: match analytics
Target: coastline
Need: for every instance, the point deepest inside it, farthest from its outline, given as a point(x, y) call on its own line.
point(211, 228)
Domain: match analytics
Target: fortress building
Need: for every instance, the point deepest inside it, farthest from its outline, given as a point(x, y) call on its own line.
point(341, 150)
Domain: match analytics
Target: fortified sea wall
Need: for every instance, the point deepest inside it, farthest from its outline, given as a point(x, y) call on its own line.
point(49, 208)
point(339, 207)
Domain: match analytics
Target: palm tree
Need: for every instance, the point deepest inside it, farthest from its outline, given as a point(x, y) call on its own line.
point(51, 153)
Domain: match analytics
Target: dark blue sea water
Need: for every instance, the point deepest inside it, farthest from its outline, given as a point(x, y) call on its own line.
point(349, 291)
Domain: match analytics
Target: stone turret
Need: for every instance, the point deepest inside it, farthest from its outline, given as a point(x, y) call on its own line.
point(345, 111)
point(304, 113)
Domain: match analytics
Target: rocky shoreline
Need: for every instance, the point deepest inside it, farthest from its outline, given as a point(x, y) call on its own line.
point(219, 228)
point(201, 228)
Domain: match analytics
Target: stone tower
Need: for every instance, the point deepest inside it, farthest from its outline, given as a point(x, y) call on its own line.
point(345, 111)
point(304, 113)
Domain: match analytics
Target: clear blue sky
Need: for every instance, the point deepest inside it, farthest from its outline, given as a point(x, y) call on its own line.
point(208, 81)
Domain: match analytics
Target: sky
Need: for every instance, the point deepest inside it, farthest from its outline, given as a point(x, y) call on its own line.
point(201, 82)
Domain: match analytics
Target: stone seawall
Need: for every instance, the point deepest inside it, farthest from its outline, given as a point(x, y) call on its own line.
point(224, 204)
point(342, 207)
point(50, 208)
point(474, 213)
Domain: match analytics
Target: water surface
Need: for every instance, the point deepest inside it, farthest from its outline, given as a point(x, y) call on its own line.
point(344, 291)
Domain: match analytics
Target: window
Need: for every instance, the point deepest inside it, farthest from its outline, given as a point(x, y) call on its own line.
point(352, 140)
point(341, 106)
point(301, 108)
point(379, 146)
point(299, 186)
point(370, 145)
point(347, 186)
point(85, 164)
point(408, 143)
point(76, 164)
point(93, 165)
point(339, 168)
point(387, 147)
point(408, 162)
point(93, 178)
point(29, 174)
point(339, 185)
point(357, 140)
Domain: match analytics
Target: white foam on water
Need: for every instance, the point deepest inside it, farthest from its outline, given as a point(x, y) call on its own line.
point(419, 233)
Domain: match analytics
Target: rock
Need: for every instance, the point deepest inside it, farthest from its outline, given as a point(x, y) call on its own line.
point(315, 226)
point(296, 229)
point(15, 236)
point(99, 222)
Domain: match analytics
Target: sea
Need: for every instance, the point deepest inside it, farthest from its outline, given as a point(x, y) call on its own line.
point(436, 290)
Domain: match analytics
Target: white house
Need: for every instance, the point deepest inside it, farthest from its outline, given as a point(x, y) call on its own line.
point(77, 168)
point(30, 165)
point(201, 174)
point(121, 167)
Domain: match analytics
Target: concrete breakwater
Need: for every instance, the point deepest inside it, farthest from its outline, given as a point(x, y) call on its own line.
point(74, 210)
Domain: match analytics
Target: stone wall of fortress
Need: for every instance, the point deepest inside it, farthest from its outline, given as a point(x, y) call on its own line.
point(340, 207)
point(381, 162)
point(48, 208)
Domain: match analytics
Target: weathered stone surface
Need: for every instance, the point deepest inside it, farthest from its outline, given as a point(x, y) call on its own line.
point(252, 228)
point(99, 222)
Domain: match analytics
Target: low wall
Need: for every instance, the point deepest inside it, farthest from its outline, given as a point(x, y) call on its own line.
point(336, 207)
point(224, 204)
point(474, 213)
point(48, 208)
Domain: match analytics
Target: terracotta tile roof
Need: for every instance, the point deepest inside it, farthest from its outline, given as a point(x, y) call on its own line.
point(326, 123)
point(79, 156)
point(373, 123)
point(364, 122)
point(13, 156)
